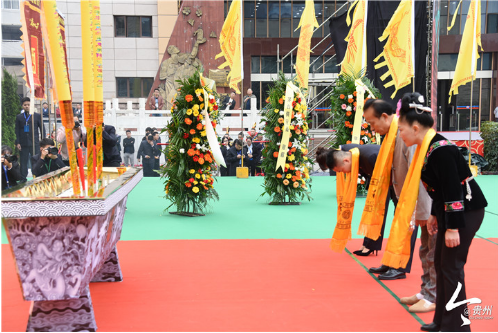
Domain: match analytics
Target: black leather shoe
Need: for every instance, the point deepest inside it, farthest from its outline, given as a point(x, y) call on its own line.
point(432, 327)
point(392, 274)
point(379, 270)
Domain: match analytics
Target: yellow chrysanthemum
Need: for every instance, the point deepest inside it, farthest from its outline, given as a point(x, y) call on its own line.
point(196, 140)
point(197, 176)
point(195, 189)
point(291, 127)
point(291, 158)
point(195, 107)
point(277, 110)
point(201, 106)
point(288, 176)
point(203, 133)
point(192, 171)
point(196, 113)
point(189, 112)
point(196, 182)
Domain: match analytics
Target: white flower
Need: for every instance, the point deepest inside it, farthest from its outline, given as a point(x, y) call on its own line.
point(182, 151)
point(348, 108)
point(281, 113)
point(203, 122)
point(299, 116)
point(278, 143)
point(359, 180)
point(211, 96)
point(350, 96)
point(365, 139)
point(198, 146)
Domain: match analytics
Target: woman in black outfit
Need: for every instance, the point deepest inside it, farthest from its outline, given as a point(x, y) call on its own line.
point(457, 210)
point(224, 151)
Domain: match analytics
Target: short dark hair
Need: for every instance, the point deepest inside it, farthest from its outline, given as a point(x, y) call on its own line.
point(25, 99)
point(329, 158)
point(237, 142)
point(148, 129)
point(6, 149)
point(128, 131)
point(249, 138)
point(46, 142)
point(379, 106)
point(44, 103)
point(154, 133)
point(156, 89)
point(408, 114)
point(150, 137)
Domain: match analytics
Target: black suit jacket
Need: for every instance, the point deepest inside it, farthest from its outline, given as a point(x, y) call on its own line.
point(14, 175)
point(40, 167)
point(109, 142)
point(368, 157)
point(234, 161)
point(232, 106)
point(26, 139)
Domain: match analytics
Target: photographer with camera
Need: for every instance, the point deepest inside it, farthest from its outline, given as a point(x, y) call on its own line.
point(48, 160)
point(79, 137)
point(11, 172)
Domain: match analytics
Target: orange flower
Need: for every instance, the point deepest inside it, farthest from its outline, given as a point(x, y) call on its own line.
point(349, 113)
point(348, 142)
point(298, 173)
point(293, 150)
point(342, 96)
point(291, 166)
point(286, 182)
point(354, 104)
point(188, 121)
point(346, 123)
point(190, 152)
point(281, 101)
point(354, 93)
point(199, 126)
point(189, 98)
point(192, 131)
point(200, 98)
point(365, 125)
point(292, 115)
point(201, 161)
point(350, 100)
point(303, 185)
point(205, 187)
point(373, 139)
point(280, 120)
point(298, 131)
point(275, 154)
point(305, 151)
point(277, 129)
point(294, 178)
point(188, 184)
point(369, 135)
point(361, 142)
point(296, 184)
point(279, 175)
point(290, 144)
point(362, 132)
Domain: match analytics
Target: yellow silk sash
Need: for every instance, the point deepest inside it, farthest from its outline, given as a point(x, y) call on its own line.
point(375, 205)
point(397, 251)
point(346, 195)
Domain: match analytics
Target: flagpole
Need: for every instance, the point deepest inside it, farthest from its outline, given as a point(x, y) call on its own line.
point(472, 72)
point(470, 128)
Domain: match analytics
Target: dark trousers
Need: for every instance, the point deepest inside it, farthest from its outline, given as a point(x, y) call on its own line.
point(156, 163)
point(25, 154)
point(148, 165)
point(449, 262)
point(252, 167)
point(223, 170)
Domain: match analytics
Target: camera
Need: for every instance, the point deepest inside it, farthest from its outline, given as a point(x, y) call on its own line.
point(11, 158)
point(77, 124)
point(52, 150)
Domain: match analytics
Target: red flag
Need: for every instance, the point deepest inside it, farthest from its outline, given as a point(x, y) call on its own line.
point(33, 43)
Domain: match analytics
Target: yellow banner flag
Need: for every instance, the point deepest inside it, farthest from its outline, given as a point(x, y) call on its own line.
point(399, 50)
point(307, 23)
point(466, 66)
point(356, 53)
point(231, 44)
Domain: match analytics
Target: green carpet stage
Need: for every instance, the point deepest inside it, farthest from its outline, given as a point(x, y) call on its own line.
point(248, 266)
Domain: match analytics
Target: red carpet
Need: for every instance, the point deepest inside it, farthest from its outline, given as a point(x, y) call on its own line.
point(252, 285)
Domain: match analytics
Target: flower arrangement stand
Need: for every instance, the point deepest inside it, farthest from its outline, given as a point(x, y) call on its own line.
point(187, 214)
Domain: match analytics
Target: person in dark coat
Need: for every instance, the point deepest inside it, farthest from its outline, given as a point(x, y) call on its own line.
point(146, 152)
point(157, 157)
point(11, 172)
point(253, 155)
point(229, 102)
point(24, 134)
point(47, 160)
point(224, 152)
point(457, 212)
point(235, 155)
point(112, 157)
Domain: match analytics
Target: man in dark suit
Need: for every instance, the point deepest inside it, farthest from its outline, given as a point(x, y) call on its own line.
point(224, 151)
point(230, 102)
point(24, 126)
point(253, 155)
point(47, 160)
point(157, 156)
point(235, 155)
point(45, 110)
point(147, 152)
point(112, 158)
